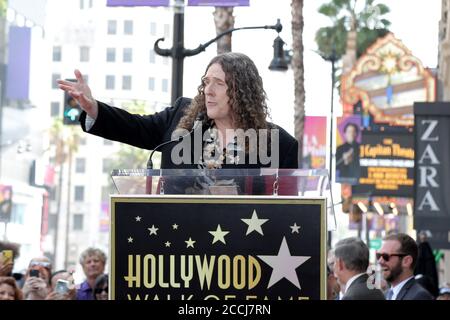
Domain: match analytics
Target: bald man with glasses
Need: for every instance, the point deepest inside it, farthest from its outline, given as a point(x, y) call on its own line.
point(397, 258)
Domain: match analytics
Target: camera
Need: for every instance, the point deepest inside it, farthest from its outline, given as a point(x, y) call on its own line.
point(62, 286)
point(34, 273)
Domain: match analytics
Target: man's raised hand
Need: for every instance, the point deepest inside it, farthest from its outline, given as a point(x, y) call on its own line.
point(81, 92)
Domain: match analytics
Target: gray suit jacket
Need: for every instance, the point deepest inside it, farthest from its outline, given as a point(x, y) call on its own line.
point(413, 291)
point(358, 290)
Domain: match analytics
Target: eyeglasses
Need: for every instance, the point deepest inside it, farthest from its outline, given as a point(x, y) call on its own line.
point(387, 256)
point(100, 290)
point(41, 264)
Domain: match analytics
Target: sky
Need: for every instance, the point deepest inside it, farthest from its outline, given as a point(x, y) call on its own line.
point(417, 30)
point(415, 22)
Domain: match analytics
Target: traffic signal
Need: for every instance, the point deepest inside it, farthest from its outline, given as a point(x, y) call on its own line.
point(72, 109)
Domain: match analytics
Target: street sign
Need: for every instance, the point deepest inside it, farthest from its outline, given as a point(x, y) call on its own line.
point(375, 243)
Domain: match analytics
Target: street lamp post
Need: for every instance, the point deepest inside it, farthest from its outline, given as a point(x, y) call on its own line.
point(178, 52)
point(332, 58)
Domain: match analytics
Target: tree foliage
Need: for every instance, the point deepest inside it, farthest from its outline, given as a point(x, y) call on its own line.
point(366, 17)
point(129, 157)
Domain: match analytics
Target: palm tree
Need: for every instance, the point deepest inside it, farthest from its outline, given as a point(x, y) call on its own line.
point(66, 141)
point(224, 20)
point(354, 28)
point(129, 157)
point(298, 70)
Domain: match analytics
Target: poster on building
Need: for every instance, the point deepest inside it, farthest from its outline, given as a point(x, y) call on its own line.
point(19, 57)
point(432, 172)
point(315, 142)
point(104, 217)
point(137, 3)
point(348, 139)
point(386, 165)
point(230, 247)
point(5, 202)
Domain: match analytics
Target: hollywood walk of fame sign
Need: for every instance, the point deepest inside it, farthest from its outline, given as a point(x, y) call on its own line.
point(223, 247)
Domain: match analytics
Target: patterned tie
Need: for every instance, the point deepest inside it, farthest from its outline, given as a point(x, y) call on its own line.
point(389, 294)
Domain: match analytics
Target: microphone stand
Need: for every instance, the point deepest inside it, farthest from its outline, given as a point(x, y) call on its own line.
point(198, 121)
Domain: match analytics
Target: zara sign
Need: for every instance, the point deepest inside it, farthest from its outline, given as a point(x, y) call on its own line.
point(432, 171)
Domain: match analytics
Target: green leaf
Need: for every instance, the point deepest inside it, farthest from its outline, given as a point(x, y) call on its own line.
point(369, 26)
point(341, 3)
point(329, 10)
point(382, 9)
point(386, 23)
point(366, 37)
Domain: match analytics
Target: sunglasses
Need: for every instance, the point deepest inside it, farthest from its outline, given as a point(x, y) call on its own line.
point(387, 256)
point(100, 290)
point(41, 264)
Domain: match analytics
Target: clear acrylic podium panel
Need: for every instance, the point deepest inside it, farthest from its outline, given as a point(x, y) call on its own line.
point(258, 182)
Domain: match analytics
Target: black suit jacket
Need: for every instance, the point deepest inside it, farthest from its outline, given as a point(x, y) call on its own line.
point(358, 290)
point(413, 291)
point(149, 131)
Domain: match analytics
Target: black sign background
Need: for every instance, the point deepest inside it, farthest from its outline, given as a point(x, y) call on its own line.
point(195, 217)
point(405, 140)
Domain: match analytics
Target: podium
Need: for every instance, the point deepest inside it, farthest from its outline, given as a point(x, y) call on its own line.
point(219, 234)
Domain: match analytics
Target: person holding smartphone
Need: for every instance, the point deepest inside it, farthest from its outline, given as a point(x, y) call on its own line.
point(8, 252)
point(62, 286)
point(37, 279)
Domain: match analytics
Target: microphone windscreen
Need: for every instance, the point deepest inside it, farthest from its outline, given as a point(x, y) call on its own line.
point(200, 116)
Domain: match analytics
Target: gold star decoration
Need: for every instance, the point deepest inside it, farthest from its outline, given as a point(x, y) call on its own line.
point(153, 230)
point(254, 224)
point(190, 243)
point(219, 235)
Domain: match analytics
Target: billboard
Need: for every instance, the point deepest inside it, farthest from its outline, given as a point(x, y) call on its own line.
point(5, 202)
point(137, 3)
point(387, 165)
point(18, 72)
point(432, 171)
point(387, 79)
point(348, 139)
point(314, 142)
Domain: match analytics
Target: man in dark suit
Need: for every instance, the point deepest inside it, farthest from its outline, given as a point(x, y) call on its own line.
point(347, 156)
point(398, 257)
point(231, 98)
point(350, 267)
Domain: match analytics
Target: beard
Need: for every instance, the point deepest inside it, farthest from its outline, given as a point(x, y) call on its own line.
point(394, 272)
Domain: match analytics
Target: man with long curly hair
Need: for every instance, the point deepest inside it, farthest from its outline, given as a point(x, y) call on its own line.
point(231, 102)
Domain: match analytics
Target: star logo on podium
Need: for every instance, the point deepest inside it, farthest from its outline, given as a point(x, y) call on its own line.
point(254, 224)
point(153, 230)
point(284, 265)
point(219, 235)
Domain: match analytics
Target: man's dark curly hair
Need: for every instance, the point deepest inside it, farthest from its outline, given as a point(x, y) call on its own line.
point(245, 91)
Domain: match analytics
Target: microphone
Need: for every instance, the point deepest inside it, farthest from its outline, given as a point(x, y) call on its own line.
point(198, 120)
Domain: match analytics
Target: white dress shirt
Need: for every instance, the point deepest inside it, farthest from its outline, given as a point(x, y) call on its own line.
point(89, 123)
point(399, 287)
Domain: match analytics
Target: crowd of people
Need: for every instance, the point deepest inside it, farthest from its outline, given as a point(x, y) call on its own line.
point(405, 271)
point(404, 268)
point(41, 282)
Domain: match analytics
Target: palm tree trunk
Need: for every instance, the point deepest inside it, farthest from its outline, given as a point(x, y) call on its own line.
point(224, 20)
point(298, 70)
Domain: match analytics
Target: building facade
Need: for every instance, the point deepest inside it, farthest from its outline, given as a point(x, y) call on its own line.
point(106, 45)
